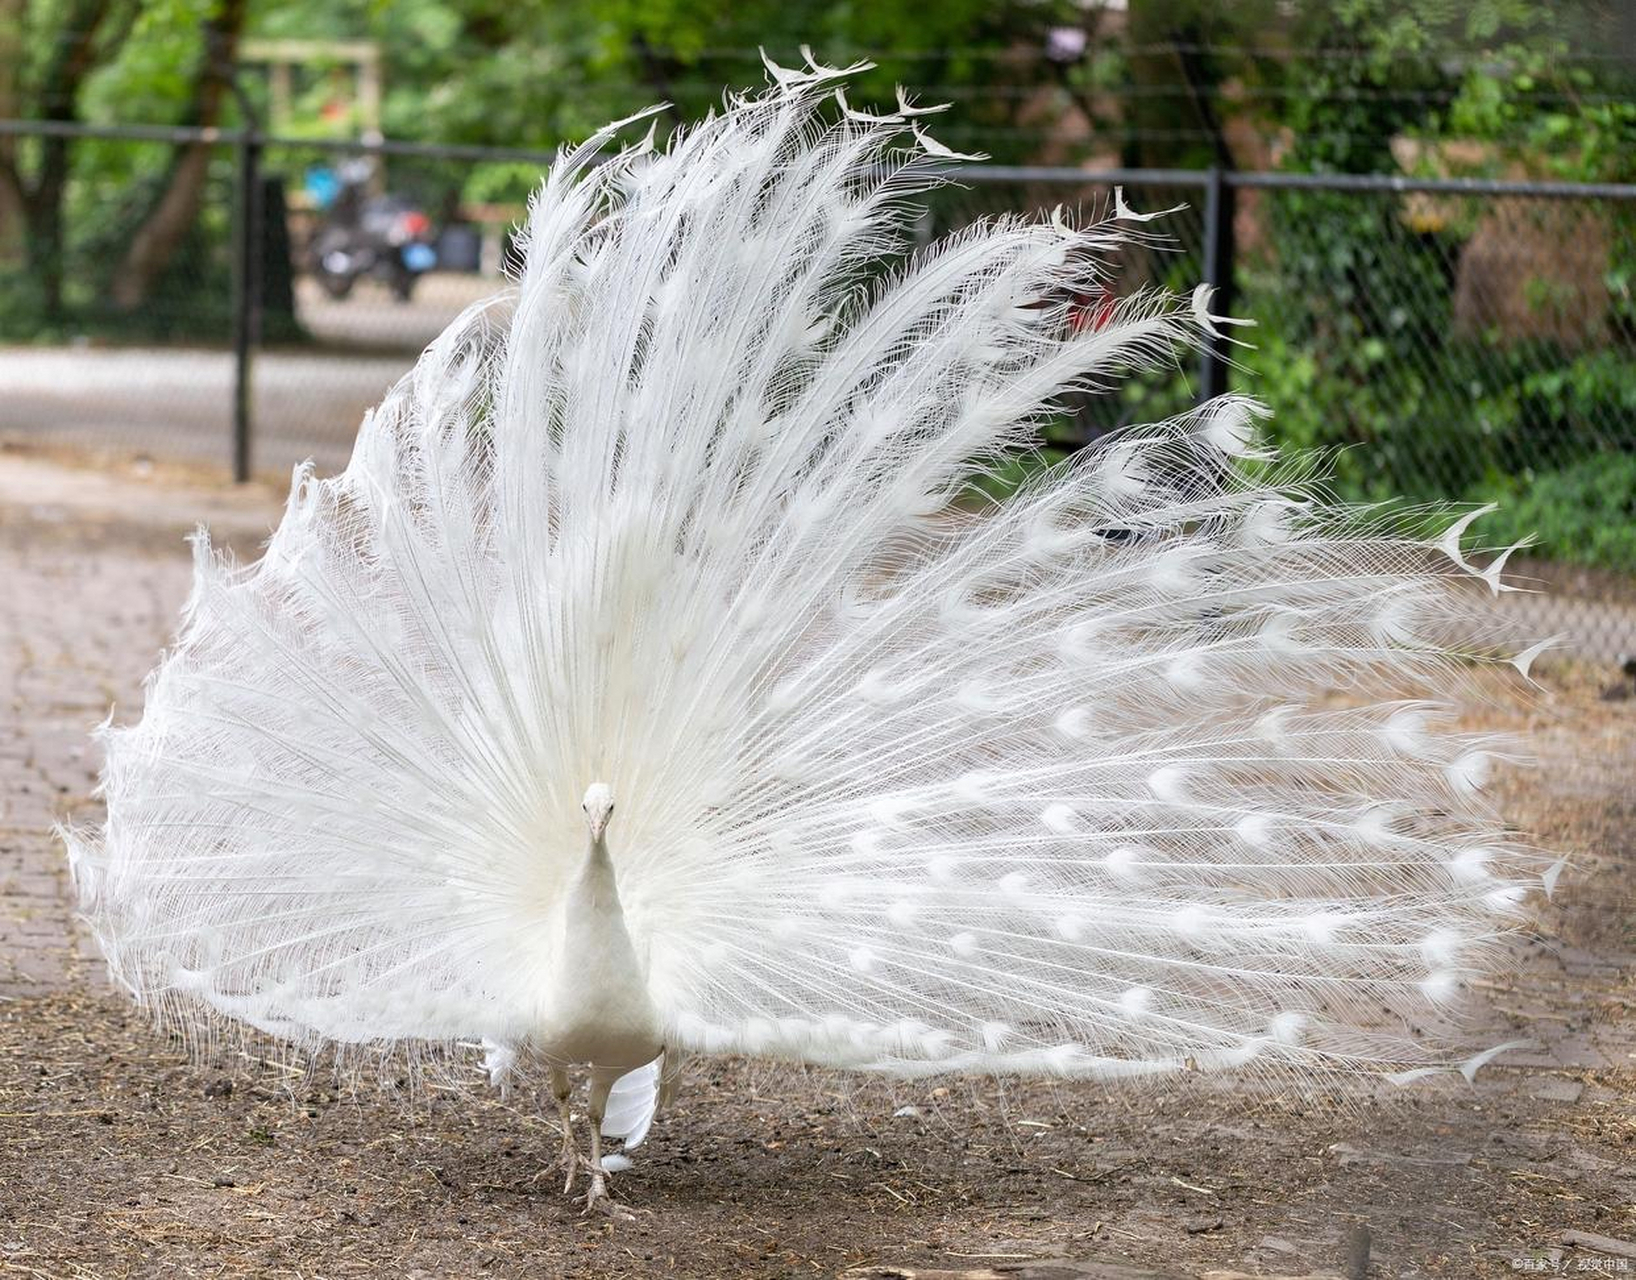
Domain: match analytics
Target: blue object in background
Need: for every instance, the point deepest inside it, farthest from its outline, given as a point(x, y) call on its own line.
point(322, 185)
point(419, 257)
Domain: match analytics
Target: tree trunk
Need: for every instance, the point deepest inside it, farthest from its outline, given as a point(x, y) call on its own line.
point(72, 55)
point(155, 241)
point(655, 74)
point(11, 210)
point(1169, 124)
point(154, 244)
point(11, 191)
point(42, 217)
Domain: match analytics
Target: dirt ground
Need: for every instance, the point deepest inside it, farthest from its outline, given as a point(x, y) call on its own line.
point(120, 1157)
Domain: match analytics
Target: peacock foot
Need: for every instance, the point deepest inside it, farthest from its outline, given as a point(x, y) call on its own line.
point(570, 1162)
point(597, 1199)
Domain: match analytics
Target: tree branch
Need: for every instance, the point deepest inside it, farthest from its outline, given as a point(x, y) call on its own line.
point(155, 241)
point(1185, 45)
point(72, 56)
point(655, 74)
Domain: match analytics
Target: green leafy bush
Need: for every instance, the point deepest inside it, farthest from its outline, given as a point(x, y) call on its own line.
point(1584, 513)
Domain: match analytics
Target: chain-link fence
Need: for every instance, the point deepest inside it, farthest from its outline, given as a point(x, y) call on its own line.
point(1475, 341)
point(1441, 341)
point(220, 338)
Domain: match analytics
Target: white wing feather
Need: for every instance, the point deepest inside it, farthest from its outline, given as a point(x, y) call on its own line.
point(631, 1105)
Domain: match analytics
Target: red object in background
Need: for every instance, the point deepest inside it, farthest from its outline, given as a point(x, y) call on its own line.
point(1092, 310)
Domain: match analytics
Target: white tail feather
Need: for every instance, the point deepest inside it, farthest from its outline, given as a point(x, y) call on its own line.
point(1053, 788)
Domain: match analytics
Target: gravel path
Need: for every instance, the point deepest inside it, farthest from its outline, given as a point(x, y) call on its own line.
point(93, 569)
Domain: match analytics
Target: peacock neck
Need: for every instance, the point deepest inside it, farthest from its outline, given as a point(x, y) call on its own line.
point(594, 897)
point(596, 1007)
point(595, 931)
point(596, 874)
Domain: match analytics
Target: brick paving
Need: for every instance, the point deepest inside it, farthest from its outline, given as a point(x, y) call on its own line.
point(93, 571)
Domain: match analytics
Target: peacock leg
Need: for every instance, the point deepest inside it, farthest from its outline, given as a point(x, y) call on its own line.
point(597, 1197)
point(670, 1074)
point(569, 1158)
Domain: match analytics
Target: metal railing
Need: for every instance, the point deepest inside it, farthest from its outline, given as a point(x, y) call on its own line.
point(1476, 337)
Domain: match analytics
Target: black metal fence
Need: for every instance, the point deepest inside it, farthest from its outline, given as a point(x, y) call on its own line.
point(1475, 339)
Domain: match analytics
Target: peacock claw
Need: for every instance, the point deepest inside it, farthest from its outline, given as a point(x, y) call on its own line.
point(570, 1162)
point(597, 1200)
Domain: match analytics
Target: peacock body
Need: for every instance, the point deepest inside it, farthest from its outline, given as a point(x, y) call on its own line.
point(1054, 787)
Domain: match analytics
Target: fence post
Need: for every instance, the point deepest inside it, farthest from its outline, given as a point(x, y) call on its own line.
point(1218, 272)
point(246, 293)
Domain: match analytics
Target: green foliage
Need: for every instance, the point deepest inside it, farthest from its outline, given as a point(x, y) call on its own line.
point(537, 73)
point(1457, 423)
point(22, 308)
point(1359, 343)
point(1529, 425)
point(150, 76)
point(1555, 118)
point(1584, 513)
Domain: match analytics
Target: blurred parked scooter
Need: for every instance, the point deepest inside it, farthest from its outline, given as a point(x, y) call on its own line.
point(384, 236)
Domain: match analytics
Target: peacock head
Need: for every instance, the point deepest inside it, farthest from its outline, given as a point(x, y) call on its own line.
point(598, 805)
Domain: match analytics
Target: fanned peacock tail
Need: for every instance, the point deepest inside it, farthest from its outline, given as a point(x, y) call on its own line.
point(1142, 770)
